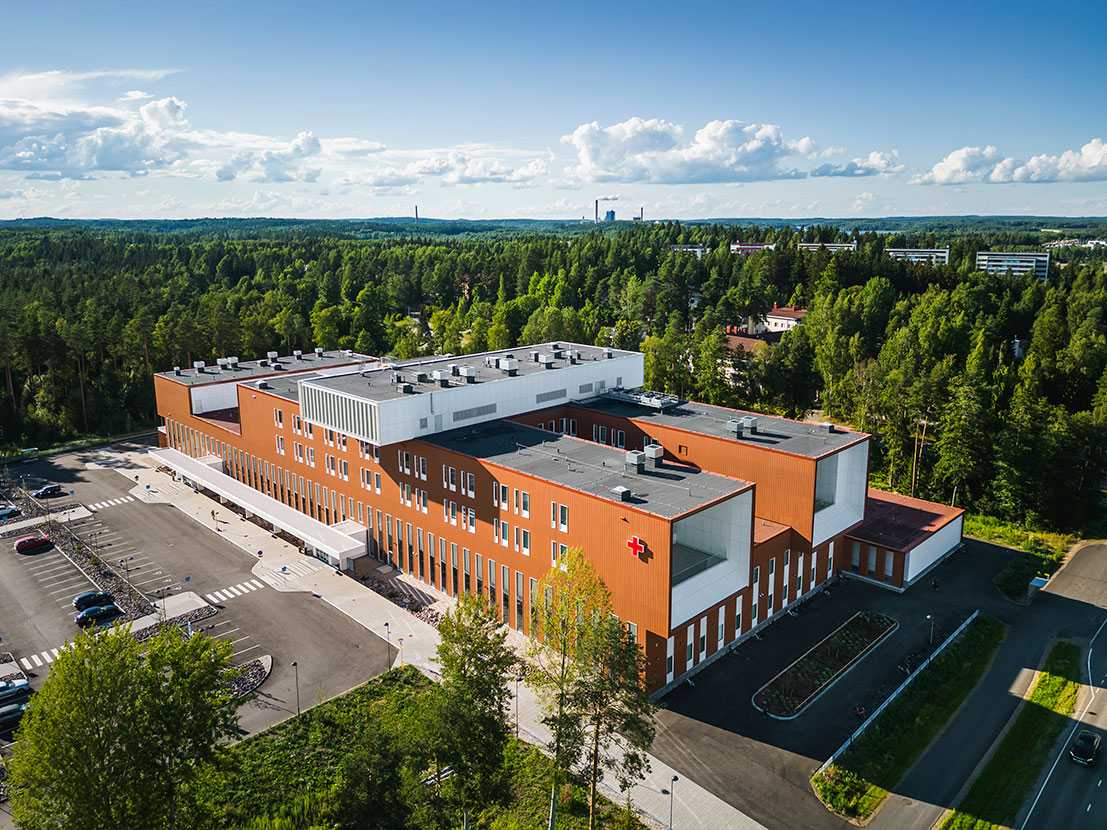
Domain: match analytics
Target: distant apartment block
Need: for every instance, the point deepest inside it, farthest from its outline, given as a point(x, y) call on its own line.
point(998, 262)
point(931, 256)
point(746, 248)
point(832, 247)
point(699, 250)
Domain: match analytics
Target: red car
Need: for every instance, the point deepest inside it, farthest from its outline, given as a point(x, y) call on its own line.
point(32, 544)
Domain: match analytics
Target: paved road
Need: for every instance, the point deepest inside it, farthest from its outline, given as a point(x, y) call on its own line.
point(1072, 795)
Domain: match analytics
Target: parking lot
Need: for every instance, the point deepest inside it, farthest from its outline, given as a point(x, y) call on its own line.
point(162, 552)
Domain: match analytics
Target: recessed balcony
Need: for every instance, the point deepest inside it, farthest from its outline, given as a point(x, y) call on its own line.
point(688, 562)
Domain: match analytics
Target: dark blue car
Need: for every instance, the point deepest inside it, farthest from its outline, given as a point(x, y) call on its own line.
point(98, 615)
point(90, 599)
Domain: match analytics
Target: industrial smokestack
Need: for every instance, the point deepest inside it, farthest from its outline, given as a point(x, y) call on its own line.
point(597, 211)
point(417, 214)
point(641, 213)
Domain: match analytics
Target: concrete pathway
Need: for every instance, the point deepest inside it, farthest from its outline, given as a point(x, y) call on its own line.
point(282, 566)
point(61, 516)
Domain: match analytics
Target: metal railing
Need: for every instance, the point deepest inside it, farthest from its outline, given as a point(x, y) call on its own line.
point(896, 693)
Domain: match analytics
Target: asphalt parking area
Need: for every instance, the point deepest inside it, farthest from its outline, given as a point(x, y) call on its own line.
point(163, 551)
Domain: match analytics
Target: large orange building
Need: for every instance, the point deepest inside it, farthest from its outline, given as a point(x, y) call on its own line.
point(476, 473)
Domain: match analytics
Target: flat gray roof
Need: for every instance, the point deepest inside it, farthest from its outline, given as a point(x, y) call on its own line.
point(668, 491)
point(773, 433)
point(377, 385)
point(286, 386)
point(247, 369)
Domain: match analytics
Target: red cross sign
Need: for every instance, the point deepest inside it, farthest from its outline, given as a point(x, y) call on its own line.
point(637, 546)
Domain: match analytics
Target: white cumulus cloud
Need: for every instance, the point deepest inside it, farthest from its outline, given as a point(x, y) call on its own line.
point(285, 164)
point(876, 163)
point(988, 165)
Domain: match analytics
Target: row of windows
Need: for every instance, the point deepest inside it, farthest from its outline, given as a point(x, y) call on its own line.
point(871, 559)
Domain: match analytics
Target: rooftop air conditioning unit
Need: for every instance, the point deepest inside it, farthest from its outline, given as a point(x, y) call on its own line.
point(621, 493)
point(271, 355)
point(348, 352)
point(453, 369)
point(263, 384)
point(441, 377)
point(405, 388)
point(546, 360)
point(634, 461)
point(509, 366)
point(299, 355)
point(198, 365)
point(263, 362)
point(420, 377)
point(232, 362)
point(318, 351)
point(735, 426)
point(826, 427)
point(655, 452)
point(176, 370)
point(607, 353)
point(534, 355)
point(750, 423)
point(469, 373)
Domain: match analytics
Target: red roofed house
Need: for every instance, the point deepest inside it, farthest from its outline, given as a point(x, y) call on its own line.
point(780, 318)
point(901, 539)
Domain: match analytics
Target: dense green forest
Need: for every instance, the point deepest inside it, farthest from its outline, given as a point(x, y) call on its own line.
point(987, 390)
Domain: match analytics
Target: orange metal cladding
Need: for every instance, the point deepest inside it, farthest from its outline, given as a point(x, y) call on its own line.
point(602, 528)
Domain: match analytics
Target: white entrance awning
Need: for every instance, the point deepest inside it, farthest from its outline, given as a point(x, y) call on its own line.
point(341, 546)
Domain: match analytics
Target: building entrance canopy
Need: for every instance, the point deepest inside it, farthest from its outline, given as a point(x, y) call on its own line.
point(339, 547)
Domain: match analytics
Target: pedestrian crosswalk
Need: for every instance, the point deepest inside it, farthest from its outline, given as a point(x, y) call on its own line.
point(284, 574)
point(100, 505)
point(40, 659)
point(234, 591)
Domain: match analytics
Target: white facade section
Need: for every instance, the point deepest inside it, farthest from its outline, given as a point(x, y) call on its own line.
point(843, 492)
point(938, 545)
point(410, 416)
point(832, 247)
point(213, 396)
point(725, 529)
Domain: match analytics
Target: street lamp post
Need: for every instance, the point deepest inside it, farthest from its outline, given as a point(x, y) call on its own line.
point(296, 669)
point(518, 680)
point(930, 619)
point(387, 646)
point(669, 792)
point(401, 651)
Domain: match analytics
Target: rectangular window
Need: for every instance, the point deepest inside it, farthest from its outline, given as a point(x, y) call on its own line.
point(526, 543)
point(453, 512)
point(814, 567)
point(518, 600)
point(889, 563)
point(620, 438)
point(738, 617)
point(572, 426)
point(503, 497)
point(855, 555)
point(298, 451)
point(722, 629)
point(563, 518)
point(495, 493)
point(311, 456)
point(526, 505)
point(345, 470)
point(278, 418)
point(553, 514)
point(297, 424)
point(689, 639)
point(772, 566)
point(328, 437)
point(309, 429)
point(472, 519)
point(872, 559)
point(453, 478)
point(280, 443)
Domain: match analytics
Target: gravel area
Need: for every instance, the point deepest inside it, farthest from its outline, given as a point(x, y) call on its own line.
point(179, 621)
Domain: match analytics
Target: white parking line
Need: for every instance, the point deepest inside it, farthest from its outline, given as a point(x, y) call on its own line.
point(26, 664)
point(248, 648)
point(240, 639)
point(223, 622)
point(225, 633)
point(35, 660)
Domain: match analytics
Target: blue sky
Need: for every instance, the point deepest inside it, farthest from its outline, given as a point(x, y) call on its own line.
point(498, 110)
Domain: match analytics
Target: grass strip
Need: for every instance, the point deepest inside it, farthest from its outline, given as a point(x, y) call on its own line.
point(996, 796)
point(858, 782)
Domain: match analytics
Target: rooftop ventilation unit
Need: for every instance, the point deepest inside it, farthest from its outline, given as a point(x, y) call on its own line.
point(405, 388)
point(198, 365)
point(735, 426)
point(607, 354)
point(348, 352)
point(825, 427)
point(420, 377)
point(555, 346)
point(574, 356)
point(621, 493)
point(546, 360)
point(509, 366)
point(271, 355)
point(534, 355)
point(318, 351)
point(469, 373)
point(232, 362)
point(263, 384)
point(453, 369)
point(176, 370)
point(441, 377)
point(299, 355)
point(654, 400)
point(655, 452)
point(634, 461)
point(220, 362)
point(750, 423)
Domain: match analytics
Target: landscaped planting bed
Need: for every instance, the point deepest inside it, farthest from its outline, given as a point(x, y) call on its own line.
point(791, 691)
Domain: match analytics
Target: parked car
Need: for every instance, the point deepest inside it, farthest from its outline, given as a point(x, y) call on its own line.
point(97, 615)
point(90, 599)
point(8, 511)
point(14, 691)
point(47, 491)
point(1084, 748)
point(10, 715)
point(32, 544)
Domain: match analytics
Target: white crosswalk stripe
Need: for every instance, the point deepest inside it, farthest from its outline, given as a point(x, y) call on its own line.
point(35, 660)
point(26, 664)
point(100, 505)
point(232, 591)
point(48, 657)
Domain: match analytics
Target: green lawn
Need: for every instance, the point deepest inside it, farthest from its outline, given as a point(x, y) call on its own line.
point(298, 765)
point(998, 793)
point(857, 784)
point(1040, 552)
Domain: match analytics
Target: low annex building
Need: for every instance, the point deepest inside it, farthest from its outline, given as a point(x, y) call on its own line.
point(476, 473)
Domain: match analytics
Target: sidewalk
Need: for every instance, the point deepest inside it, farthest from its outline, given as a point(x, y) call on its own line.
point(69, 515)
point(414, 642)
